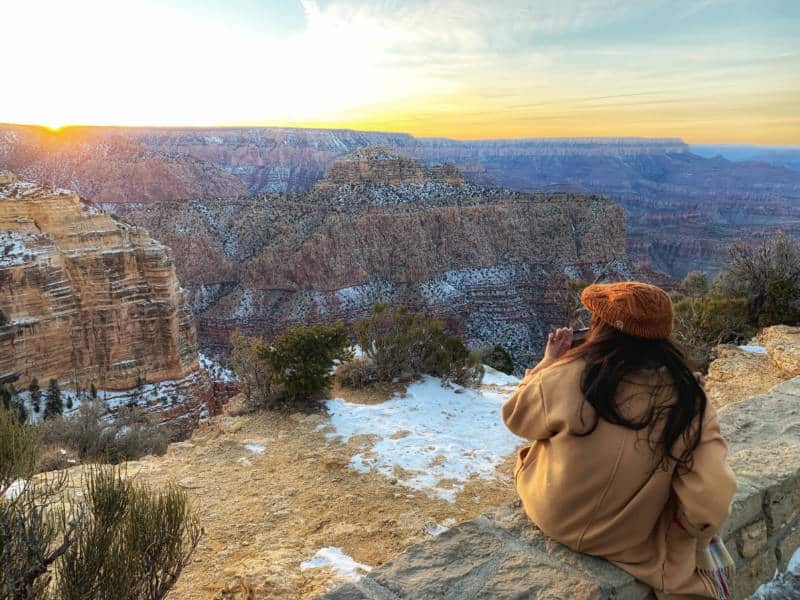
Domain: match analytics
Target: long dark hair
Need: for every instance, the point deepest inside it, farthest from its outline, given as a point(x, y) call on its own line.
point(610, 356)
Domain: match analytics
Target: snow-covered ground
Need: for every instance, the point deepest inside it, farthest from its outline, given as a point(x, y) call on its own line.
point(434, 437)
point(217, 370)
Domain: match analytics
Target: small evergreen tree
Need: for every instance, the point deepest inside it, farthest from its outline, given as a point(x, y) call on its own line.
point(498, 358)
point(36, 395)
point(93, 391)
point(303, 357)
point(53, 405)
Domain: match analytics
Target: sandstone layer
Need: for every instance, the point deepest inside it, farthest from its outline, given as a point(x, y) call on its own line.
point(88, 299)
point(383, 227)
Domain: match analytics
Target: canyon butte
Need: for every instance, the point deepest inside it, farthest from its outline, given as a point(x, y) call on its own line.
point(89, 300)
point(384, 227)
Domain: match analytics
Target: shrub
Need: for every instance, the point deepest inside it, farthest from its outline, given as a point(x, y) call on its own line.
point(392, 340)
point(397, 344)
point(498, 358)
point(302, 359)
point(133, 542)
point(702, 323)
point(19, 445)
point(255, 377)
point(93, 436)
point(118, 540)
point(448, 358)
point(696, 284)
point(357, 373)
point(768, 275)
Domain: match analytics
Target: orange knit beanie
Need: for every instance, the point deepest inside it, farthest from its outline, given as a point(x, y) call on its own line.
point(634, 308)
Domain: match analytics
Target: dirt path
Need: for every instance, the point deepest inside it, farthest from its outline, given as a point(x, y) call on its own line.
point(264, 512)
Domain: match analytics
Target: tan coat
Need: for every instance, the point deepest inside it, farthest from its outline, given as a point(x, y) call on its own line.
point(599, 494)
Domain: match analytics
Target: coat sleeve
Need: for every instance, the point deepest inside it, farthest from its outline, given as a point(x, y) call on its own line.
point(525, 413)
point(706, 491)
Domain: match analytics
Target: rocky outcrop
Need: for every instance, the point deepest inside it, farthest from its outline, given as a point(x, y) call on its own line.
point(88, 299)
point(488, 261)
point(739, 372)
point(502, 555)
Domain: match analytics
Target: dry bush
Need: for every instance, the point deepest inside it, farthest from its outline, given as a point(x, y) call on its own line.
point(94, 435)
point(256, 380)
point(768, 275)
point(398, 345)
point(356, 374)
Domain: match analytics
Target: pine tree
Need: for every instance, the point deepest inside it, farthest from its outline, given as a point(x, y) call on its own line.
point(53, 405)
point(93, 391)
point(36, 395)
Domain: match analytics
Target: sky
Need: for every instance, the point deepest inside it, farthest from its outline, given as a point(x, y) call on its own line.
point(704, 70)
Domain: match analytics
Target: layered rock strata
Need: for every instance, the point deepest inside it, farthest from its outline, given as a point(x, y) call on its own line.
point(684, 210)
point(488, 261)
point(88, 299)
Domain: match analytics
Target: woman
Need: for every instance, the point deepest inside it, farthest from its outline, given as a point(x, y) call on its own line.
point(627, 461)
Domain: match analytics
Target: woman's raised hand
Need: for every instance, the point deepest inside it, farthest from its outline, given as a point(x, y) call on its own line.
point(558, 342)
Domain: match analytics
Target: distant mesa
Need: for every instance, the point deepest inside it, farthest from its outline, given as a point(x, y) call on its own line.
point(382, 165)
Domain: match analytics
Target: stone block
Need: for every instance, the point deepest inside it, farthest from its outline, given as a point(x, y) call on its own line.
point(752, 539)
point(782, 503)
point(787, 544)
point(747, 506)
point(750, 573)
point(445, 567)
point(525, 577)
point(348, 591)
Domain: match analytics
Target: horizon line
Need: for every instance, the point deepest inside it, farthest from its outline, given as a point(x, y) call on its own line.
point(675, 138)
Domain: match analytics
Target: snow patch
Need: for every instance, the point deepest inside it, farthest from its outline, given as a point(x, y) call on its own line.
point(341, 564)
point(494, 377)
point(451, 434)
point(15, 489)
point(255, 448)
point(753, 349)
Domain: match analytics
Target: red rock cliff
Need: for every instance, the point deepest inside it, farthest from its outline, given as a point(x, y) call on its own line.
point(86, 298)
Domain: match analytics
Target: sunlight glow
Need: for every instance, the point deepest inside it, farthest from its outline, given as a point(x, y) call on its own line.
point(447, 68)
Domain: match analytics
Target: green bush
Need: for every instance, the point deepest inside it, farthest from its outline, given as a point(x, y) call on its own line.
point(19, 446)
point(498, 358)
point(696, 284)
point(448, 358)
point(116, 540)
point(132, 544)
point(393, 341)
point(302, 359)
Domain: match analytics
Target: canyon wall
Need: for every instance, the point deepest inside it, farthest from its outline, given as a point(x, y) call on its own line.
point(88, 299)
point(684, 211)
point(383, 227)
